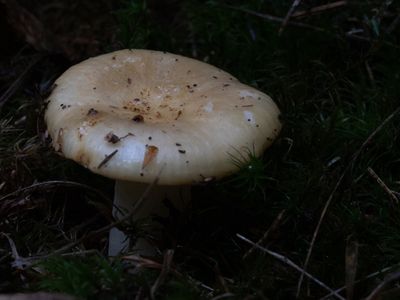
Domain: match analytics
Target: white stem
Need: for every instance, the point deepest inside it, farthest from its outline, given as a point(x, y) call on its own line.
point(126, 195)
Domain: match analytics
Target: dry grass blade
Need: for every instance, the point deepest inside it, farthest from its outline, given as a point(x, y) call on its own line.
point(393, 198)
point(17, 82)
point(168, 256)
point(224, 296)
point(290, 263)
point(372, 275)
point(370, 73)
point(36, 296)
point(336, 187)
point(141, 262)
point(27, 25)
point(272, 228)
point(113, 224)
point(319, 9)
point(145, 194)
point(393, 25)
point(383, 9)
point(28, 261)
point(351, 266)
point(388, 279)
point(288, 15)
point(275, 19)
point(54, 184)
point(18, 260)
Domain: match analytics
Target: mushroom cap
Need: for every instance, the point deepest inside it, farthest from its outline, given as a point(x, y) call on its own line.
point(128, 114)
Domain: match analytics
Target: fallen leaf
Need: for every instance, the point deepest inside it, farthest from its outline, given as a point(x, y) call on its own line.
point(151, 153)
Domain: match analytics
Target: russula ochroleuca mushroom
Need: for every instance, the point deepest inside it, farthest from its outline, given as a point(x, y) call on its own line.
point(128, 114)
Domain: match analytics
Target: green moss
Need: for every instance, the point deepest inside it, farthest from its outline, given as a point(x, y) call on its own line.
point(84, 277)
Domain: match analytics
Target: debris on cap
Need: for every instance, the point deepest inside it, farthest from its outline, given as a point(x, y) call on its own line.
point(128, 113)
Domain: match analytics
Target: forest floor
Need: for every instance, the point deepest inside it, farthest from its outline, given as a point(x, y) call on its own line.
point(316, 217)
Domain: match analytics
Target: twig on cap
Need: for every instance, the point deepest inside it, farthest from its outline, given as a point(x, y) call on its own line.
point(290, 263)
point(107, 158)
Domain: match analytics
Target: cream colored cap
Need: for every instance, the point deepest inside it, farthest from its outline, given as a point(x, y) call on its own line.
point(127, 114)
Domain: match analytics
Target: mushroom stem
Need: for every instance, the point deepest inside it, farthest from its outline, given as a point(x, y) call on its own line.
point(126, 195)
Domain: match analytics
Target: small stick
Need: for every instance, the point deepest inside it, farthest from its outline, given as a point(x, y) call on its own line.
point(98, 231)
point(351, 259)
point(275, 19)
point(18, 81)
point(107, 158)
point(391, 277)
point(166, 266)
point(18, 260)
point(290, 263)
point(370, 73)
point(224, 295)
point(388, 191)
point(319, 9)
point(393, 25)
point(111, 225)
point(126, 135)
point(141, 262)
point(288, 15)
point(273, 226)
point(374, 274)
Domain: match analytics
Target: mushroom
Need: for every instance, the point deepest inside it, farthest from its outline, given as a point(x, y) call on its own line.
point(138, 115)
